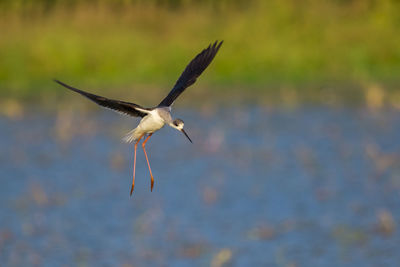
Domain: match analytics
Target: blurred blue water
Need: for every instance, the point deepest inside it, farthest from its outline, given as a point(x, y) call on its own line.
point(273, 187)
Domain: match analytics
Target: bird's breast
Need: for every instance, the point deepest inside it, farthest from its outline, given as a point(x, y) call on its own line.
point(151, 123)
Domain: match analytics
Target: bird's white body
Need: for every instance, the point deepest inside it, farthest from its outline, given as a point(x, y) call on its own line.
point(152, 122)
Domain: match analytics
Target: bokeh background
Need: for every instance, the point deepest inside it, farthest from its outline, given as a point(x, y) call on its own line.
point(296, 154)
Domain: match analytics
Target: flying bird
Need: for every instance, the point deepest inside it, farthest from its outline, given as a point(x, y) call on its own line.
point(153, 119)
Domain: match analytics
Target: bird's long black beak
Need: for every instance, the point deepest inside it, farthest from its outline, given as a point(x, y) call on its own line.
point(183, 131)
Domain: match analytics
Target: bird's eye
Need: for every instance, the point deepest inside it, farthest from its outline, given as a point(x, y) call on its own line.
point(178, 123)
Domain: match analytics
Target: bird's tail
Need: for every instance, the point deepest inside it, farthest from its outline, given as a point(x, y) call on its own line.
point(132, 136)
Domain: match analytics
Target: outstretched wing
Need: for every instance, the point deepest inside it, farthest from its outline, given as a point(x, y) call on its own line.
point(116, 105)
point(192, 71)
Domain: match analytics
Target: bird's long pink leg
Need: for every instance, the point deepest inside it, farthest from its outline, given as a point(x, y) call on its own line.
point(134, 165)
point(143, 145)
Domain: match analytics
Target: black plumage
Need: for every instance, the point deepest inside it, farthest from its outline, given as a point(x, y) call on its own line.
point(187, 78)
point(191, 72)
point(117, 105)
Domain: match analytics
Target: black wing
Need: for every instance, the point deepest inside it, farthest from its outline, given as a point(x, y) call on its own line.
point(119, 106)
point(192, 71)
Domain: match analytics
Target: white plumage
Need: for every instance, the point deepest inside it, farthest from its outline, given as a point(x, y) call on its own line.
point(149, 124)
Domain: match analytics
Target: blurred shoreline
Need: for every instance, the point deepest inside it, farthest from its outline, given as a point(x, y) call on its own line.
point(331, 53)
point(275, 50)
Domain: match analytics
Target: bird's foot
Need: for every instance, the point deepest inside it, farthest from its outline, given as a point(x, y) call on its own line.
point(133, 185)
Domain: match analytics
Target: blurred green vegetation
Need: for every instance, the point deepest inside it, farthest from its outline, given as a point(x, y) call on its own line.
point(324, 51)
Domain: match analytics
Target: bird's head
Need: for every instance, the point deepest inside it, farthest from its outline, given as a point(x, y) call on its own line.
point(178, 124)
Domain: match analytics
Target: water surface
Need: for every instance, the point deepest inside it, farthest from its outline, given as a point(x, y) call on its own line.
point(259, 187)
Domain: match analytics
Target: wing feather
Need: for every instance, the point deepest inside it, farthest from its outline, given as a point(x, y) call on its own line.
point(116, 105)
point(191, 73)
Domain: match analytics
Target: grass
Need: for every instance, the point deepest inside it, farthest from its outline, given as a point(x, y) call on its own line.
point(319, 51)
